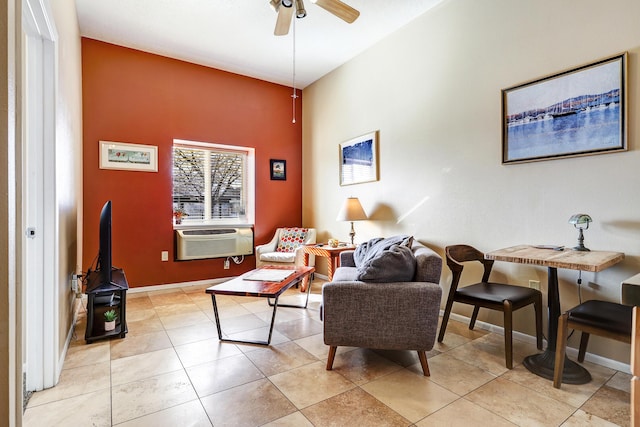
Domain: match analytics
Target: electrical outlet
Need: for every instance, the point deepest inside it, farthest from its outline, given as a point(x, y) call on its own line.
point(535, 284)
point(74, 284)
point(164, 256)
point(226, 264)
point(594, 285)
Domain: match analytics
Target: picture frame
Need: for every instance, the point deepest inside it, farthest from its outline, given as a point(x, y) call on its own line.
point(131, 157)
point(359, 159)
point(578, 112)
point(278, 169)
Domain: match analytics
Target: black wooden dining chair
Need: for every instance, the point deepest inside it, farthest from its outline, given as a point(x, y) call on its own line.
point(495, 296)
point(603, 318)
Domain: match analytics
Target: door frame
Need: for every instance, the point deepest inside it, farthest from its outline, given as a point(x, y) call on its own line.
point(39, 264)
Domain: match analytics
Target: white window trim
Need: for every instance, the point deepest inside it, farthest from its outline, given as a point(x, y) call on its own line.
point(250, 179)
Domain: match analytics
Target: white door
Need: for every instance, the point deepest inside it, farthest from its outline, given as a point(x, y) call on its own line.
point(39, 240)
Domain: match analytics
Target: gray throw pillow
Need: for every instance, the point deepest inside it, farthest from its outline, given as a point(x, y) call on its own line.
point(395, 264)
point(372, 248)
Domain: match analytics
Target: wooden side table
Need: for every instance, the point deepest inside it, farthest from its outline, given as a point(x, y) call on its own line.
point(326, 251)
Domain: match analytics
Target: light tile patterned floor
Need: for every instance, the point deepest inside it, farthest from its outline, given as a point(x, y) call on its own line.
point(171, 370)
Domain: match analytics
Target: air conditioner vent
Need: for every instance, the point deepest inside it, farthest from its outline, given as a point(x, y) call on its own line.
point(213, 243)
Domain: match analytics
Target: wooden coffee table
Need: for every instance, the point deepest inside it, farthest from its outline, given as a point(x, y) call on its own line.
point(267, 282)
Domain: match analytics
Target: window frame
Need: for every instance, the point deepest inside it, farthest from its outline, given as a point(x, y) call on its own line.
point(249, 179)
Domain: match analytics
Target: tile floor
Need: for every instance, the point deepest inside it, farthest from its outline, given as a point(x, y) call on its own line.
point(171, 370)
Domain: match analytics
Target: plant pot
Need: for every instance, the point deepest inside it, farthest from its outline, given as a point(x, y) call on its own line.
point(109, 326)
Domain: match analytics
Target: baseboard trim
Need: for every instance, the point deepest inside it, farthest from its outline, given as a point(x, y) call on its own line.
point(573, 352)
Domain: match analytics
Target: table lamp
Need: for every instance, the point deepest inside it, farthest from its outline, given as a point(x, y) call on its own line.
point(581, 222)
point(351, 211)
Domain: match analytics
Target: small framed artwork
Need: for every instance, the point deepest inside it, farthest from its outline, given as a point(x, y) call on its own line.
point(278, 170)
point(359, 159)
point(132, 157)
point(573, 113)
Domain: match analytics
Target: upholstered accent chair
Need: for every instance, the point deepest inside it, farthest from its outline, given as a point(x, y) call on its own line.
point(285, 248)
point(390, 315)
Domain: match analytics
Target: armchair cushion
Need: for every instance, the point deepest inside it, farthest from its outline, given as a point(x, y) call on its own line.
point(291, 239)
point(396, 264)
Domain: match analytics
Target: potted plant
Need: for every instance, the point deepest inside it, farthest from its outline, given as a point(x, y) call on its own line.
point(178, 214)
point(110, 317)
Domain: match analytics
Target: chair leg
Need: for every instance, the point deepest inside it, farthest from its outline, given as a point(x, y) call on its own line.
point(332, 355)
point(561, 348)
point(584, 340)
point(445, 319)
point(537, 305)
point(423, 361)
point(508, 333)
point(474, 316)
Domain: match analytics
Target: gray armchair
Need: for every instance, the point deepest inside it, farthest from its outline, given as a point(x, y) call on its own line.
point(389, 316)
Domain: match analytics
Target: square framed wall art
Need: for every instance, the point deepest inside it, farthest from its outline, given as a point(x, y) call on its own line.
point(278, 170)
point(359, 159)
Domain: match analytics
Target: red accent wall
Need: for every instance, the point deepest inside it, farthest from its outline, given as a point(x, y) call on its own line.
point(136, 97)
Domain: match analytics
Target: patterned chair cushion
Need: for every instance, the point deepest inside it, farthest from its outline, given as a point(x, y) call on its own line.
point(291, 239)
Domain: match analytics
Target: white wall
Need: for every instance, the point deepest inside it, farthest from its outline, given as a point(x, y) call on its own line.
point(433, 90)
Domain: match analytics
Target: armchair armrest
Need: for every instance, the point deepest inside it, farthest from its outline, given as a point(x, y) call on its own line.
point(270, 246)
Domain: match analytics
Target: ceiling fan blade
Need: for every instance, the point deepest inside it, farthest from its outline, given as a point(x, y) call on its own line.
point(339, 9)
point(284, 21)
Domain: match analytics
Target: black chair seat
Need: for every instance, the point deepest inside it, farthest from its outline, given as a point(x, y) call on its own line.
point(604, 318)
point(605, 315)
point(497, 293)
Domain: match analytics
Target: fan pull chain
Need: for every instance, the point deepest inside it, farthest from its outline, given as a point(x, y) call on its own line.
point(294, 96)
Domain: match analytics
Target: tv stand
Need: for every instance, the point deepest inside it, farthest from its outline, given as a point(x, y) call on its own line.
point(104, 297)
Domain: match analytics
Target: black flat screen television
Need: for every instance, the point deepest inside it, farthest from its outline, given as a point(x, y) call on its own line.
point(104, 265)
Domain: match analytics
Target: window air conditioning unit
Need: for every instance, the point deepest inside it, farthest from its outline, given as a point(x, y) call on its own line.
point(213, 243)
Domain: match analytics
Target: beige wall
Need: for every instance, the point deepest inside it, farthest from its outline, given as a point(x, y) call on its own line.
point(68, 157)
point(433, 90)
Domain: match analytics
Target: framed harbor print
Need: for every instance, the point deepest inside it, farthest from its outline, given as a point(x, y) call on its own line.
point(359, 159)
point(124, 156)
point(573, 113)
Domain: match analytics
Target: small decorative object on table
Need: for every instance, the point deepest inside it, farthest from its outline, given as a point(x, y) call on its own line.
point(178, 214)
point(110, 317)
point(581, 222)
point(334, 243)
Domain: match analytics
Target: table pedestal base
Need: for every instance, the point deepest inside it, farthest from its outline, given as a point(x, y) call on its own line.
point(542, 364)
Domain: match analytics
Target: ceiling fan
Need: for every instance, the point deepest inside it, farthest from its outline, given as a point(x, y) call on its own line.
point(286, 9)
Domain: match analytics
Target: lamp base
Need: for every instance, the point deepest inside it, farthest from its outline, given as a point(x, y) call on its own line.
point(581, 248)
point(352, 233)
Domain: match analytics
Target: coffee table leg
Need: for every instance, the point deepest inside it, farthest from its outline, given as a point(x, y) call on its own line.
point(217, 317)
point(291, 305)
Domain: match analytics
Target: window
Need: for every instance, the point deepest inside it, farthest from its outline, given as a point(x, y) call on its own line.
point(213, 183)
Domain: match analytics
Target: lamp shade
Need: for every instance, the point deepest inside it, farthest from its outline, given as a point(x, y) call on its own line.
point(351, 210)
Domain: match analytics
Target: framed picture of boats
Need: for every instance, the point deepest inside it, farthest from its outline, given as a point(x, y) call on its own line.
point(572, 113)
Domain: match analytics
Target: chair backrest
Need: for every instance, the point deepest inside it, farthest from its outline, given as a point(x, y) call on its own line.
point(458, 254)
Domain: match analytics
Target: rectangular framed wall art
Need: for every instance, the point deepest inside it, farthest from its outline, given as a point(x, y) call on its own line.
point(132, 157)
point(573, 113)
point(359, 159)
point(278, 169)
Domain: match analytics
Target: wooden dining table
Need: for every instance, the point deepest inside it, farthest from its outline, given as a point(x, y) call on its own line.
point(542, 364)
